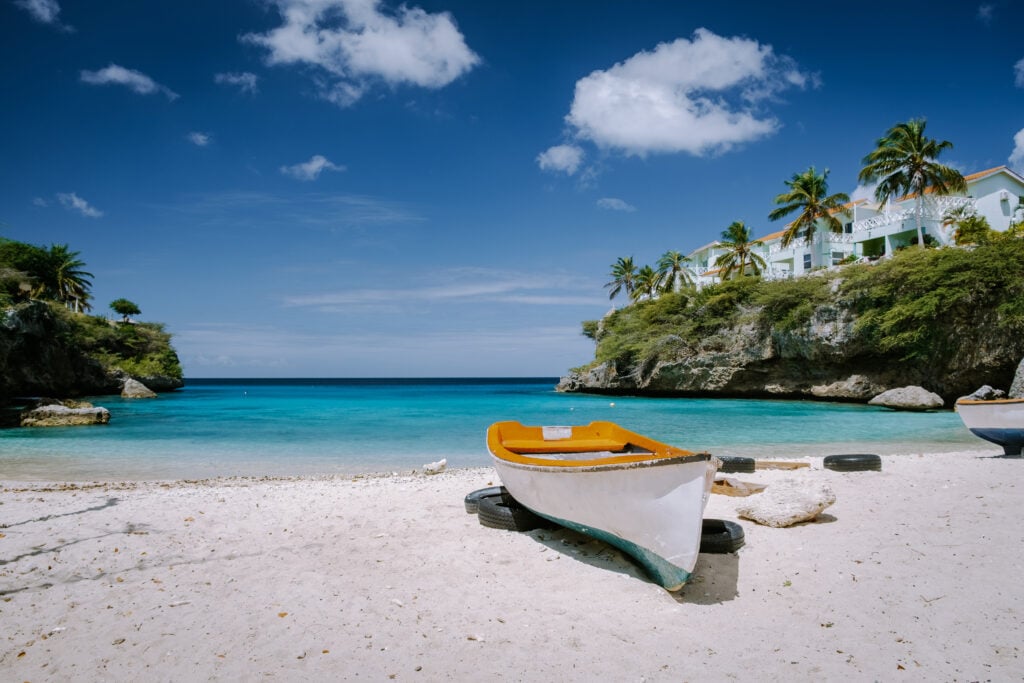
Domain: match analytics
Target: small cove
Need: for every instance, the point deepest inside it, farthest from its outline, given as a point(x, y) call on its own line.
point(282, 427)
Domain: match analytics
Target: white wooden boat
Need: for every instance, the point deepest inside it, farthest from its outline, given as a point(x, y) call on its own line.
point(644, 497)
point(1000, 421)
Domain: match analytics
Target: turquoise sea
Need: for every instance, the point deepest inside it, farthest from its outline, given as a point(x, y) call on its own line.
point(328, 426)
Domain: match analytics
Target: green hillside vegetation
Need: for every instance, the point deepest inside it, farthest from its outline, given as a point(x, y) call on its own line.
point(55, 275)
point(920, 306)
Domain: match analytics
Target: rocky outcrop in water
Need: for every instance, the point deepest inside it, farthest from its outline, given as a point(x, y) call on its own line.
point(136, 389)
point(36, 361)
point(40, 356)
point(53, 413)
point(915, 399)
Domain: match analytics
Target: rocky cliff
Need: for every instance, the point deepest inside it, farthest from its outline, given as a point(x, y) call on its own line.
point(42, 354)
point(823, 361)
point(939, 321)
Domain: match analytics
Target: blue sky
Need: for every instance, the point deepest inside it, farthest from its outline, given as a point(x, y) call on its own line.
point(352, 188)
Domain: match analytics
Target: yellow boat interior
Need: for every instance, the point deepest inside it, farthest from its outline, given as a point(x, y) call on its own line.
point(598, 443)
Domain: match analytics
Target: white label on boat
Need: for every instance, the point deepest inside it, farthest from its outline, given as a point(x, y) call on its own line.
point(556, 433)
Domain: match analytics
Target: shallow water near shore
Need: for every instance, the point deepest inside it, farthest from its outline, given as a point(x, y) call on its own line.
point(344, 426)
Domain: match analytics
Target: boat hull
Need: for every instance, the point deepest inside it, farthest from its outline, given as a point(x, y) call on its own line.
point(651, 509)
point(1000, 421)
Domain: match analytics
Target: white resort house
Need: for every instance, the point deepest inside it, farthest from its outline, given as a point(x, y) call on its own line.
point(872, 231)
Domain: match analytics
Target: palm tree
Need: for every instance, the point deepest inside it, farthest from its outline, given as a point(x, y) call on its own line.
point(956, 215)
point(973, 229)
point(808, 195)
point(647, 281)
point(70, 284)
point(904, 164)
point(740, 255)
point(624, 277)
point(673, 271)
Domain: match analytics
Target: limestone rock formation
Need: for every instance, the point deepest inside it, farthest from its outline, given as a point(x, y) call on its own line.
point(985, 393)
point(37, 359)
point(136, 389)
point(1017, 388)
point(57, 414)
point(853, 387)
point(908, 398)
point(34, 361)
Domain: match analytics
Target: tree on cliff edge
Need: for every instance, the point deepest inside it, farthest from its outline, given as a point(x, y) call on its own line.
point(124, 308)
point(904, 163)
point(624, 277)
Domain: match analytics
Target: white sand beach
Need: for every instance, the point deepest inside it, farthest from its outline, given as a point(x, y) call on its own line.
point(913, 574)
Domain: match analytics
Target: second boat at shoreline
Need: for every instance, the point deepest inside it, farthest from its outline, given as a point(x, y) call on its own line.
point(642, 496)
point(1000, 421)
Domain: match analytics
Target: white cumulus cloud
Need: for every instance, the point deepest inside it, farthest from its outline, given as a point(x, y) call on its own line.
point(198, 139)
point(311, 170)
point(244, 81)
point(565, 158)
point(135, 80)
point(73, 202)
point(615, 204)
point(699, 96)
point(355, 42)
point(44, 11)
point(1018, 73)
point(863, 192)
point(1017, 156)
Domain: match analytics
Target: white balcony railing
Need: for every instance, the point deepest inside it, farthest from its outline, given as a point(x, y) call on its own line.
point(932, 208)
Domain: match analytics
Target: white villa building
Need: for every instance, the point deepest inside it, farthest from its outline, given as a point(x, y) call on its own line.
point(872, 230)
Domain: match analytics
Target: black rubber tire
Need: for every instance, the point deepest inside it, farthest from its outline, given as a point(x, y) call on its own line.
point(720, 536)
point(497, 512)
point(853, 462)
point(735, 463)
point(473, 498)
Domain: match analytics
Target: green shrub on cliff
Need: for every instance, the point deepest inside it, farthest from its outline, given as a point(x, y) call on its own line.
point(925, 305)
point(56, 276)
point(920, 306)
point(139, 349)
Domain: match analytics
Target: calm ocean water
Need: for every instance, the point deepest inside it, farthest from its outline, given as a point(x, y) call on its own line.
point(291, 427)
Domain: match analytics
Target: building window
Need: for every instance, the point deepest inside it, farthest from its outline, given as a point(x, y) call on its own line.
point(848, 228)
point(837, 257)
point(807, 261)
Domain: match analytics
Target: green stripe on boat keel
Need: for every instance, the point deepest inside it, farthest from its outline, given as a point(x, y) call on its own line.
point(667, 575)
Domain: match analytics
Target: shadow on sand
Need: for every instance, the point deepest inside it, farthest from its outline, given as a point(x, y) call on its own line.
point(715, 577)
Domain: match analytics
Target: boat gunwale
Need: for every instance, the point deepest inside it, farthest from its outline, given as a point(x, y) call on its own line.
point(603, 464)
point(657, 453)
point(994, 401)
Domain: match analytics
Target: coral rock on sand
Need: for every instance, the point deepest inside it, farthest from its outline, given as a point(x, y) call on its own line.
point(788, 502)
point(436, 467)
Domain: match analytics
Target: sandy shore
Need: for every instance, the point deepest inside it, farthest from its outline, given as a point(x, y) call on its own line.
point(914, 574)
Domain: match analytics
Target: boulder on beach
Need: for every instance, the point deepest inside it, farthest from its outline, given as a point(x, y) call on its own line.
point(136, 389)
point(985, 393)
point(787, 502)
point(908, 398)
